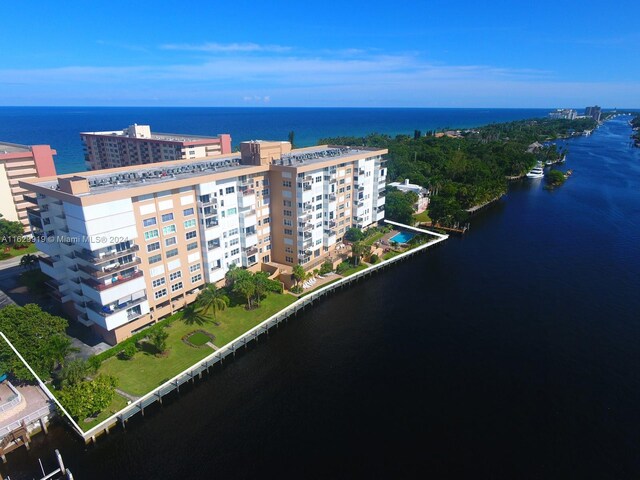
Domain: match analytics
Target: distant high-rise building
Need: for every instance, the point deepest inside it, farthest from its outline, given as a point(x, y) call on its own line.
point(137, 145)
point(21, 162)
point(594, 112)
point(564, 113)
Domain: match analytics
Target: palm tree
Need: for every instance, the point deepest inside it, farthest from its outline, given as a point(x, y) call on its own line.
point(211, 300)
point(58, 348)
point(192, 315)
point(357, 250)
point(298, 273)
point(28, 261)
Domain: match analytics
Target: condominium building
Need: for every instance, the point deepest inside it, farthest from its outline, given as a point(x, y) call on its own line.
point(594, 112)
point(564, 114)
point(137, 145)
point(128, 246)
point(21, 162)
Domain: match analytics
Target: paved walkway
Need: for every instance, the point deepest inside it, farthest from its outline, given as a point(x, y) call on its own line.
point(33, 398)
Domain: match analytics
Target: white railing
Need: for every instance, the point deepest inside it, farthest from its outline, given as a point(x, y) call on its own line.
point(14, 401)
point(27, 419)
point(253, 333)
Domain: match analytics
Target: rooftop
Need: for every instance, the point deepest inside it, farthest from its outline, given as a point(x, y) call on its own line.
point(309, 156)
point(13, 148)
point(167, 137)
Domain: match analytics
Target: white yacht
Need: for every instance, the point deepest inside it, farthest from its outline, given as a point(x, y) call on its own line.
point(536, 172)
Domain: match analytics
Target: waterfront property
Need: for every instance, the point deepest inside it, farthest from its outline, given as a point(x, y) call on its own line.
point(138, 145)
point(21, 162)
point(126, 247)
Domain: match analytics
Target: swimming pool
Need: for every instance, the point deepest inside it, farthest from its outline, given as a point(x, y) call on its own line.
point(402, 237)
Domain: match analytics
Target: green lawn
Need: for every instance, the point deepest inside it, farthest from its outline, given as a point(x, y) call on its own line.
point(117, 404)
point(370, 240)
point(422, 217)
point(15, 252)
point(198, 338)
point(353, 270)
point(390, 254)
point(146, 371)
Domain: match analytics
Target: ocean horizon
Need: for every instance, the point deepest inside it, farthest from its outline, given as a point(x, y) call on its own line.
point(60, 127)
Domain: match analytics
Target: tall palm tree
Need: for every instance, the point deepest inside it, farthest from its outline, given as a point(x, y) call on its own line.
point(28, 261)
point(58, 348)
point(298, 273)
point(212, 300)
point(357, 250)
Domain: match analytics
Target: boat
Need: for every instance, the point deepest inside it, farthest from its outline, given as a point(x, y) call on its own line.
point(536, 172)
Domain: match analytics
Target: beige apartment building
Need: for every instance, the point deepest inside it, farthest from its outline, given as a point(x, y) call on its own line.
point(137, 145)
point(128, 246)
point(21, 162)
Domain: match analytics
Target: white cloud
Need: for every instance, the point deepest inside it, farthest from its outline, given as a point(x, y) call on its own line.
point(225, 47)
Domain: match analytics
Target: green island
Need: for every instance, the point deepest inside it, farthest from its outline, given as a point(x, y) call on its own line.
point(464, 168)
point(555, 178)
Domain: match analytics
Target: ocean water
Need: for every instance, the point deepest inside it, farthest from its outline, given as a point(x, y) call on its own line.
point(61, 126)
point(509, 353)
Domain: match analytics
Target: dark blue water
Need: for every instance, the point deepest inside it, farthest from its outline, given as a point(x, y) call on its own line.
point(511, 353)
point(60, 126)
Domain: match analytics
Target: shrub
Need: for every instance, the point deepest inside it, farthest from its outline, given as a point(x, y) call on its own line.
point(325, 268)
point(343, 267)
point(129, 351)
point(374, 258)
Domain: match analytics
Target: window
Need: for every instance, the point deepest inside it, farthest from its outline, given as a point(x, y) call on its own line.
point(318, 179)
point(148, 222)
point(160, 293)
point(232, 211)
point(287, 203)
point(154, 259)
point(170, 241)
point(288, 249)
point(288, 222)
point(288, 231)
point(289, 259)
point(288, 213)
point(196, 278)
point(194, 268)
point(233, 242)
point(191, 235)
point(152, 247)
point(286, 183)
point(187, 212)
point(229, 190)
point(176, 286)
point(172, 253)
point(169, 229)
point(235, 251)
point(151, 234)
point(175, 275)
point(158, 282)
point(233, 231)
point(266, 221)
point(192, 246)
point(167, 217)
point(189, 223)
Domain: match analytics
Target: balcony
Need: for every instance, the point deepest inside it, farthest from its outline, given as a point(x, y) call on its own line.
point(87, 256)
point(332, 198)
point(248, 191)
point(107, 310)
point(307, 207)
point(249, 251)
point(209, 211)
point(213, 244)
point(305, 227)
point(120, 279)
point(30, 199)
point(306, 186)
point(212, 201)
point(49, 260)
point(211, 222)
point(305, 218)
point(109, 270)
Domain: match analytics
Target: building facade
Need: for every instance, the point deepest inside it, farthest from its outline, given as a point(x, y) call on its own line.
point(21, 162)
point(564, 114)
point(128, 246)
point(137, 145)
point(594, 112)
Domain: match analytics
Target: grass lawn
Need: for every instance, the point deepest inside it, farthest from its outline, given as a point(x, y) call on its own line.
point(390, 254)
point(117, 404)
point(15, 252)
point(145, 371)
point(422, 217)
point(373, 238)
point(353, 270)
point(199, 339)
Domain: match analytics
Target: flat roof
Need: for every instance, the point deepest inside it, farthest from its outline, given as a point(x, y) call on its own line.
point(6, 147)
point(321, 154)
point(167, 137)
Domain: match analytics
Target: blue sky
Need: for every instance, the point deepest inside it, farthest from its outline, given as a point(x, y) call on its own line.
point(329, 53)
